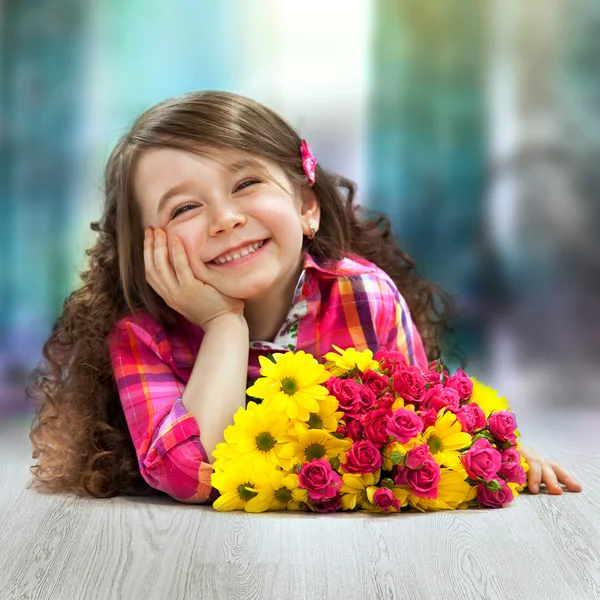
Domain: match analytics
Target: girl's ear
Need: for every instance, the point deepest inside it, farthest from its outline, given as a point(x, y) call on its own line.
point(310, 211)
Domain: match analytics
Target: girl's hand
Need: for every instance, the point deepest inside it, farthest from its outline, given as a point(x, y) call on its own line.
point(548, 472)
point(174, 281)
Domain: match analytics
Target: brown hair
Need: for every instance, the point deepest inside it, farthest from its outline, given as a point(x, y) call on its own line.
point(79, 433)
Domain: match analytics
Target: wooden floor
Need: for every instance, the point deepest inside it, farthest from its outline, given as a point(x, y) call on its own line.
point(548, 547)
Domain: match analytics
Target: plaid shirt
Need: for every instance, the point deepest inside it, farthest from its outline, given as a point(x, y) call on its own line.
point(351, 303)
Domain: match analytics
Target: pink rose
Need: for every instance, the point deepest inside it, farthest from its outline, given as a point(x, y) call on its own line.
point(511, 455)
point(375, 426)
point(390, 360)
point(471, 417)
point(423, 482)
point(384, 499)
point(404, 425)
point(432, 377)
point(376, 382)
point(366, 399)
point(356, 430)
point(491, 499)
point(329, 505)
point(409, 383)
point(400, 478)
point(429, 417)
point(513, 472)
point(461, 383)
point(321, 481)
point(482, 460)
point(347, 392)
point(502, 426)
point(437, 397)
point(363, 457)
point(417, 456)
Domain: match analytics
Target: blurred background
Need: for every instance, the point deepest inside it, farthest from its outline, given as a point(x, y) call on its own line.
point(475, 125)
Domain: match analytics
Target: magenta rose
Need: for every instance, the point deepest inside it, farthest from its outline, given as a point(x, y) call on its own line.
point(511, 455)
point(347, 392)
point(409, 383)
point(482, 460)
point(375, 426)
point(438, 397)
point(461, 383)
point(432, 377)
point(390, 360)
point(471, 417)
point(502, 426)
point(400, 478)
point(329, 505)
point(321, 481)
point(417, 456)
point(376, 382)
point(363, 457)
point(491, 499)
point(356, 430)
point(384, 499)
point(366, 399)
point(513, 472)
point(429, 417)
point(423, 482)
point(386, 401)
point(404, 425)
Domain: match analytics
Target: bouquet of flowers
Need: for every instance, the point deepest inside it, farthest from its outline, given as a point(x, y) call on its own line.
point(371, 433)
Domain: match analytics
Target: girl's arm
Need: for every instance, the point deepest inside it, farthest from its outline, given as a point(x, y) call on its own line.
point(217, 385)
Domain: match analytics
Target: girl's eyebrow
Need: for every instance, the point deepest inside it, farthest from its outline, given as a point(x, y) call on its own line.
point(178, 189)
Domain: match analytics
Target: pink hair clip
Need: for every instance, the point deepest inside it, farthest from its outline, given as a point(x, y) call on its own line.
point(309, 162)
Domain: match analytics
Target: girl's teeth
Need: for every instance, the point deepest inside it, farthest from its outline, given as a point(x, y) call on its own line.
point(244, 252)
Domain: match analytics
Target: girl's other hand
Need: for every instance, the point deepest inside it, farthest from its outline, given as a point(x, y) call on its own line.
point(173, 280)
point(548, 472)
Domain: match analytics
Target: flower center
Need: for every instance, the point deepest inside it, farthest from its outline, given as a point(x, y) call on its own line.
point(289, 386)
point(244, 493)
point(314, 421)
point(314, 451)
point(283, 495)
point(264, 441)
point(435, 444)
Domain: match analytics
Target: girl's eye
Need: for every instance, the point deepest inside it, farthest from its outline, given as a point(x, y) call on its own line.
point(246, 183)
point(180, 209)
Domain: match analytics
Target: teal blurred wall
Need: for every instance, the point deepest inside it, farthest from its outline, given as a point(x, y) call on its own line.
point(474, 124)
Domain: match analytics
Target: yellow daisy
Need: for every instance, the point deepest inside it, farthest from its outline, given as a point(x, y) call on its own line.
point(345, 361)
point(353, 490)
point(257, 433)
point(276, 490)
point(235, 484)
point(291, 384)
point(326, 418)
point(446, 438)
point(315, 443)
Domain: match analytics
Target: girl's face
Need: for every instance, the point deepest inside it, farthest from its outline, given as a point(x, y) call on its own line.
point(246, 228)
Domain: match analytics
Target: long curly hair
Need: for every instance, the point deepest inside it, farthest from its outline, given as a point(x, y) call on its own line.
point(79, 433)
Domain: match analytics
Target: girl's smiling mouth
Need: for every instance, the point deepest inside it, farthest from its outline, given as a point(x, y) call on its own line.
point(240, 255)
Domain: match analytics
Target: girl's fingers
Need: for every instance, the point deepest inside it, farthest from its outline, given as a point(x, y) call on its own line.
point(565, 477)
point(180, 262)
point(150, 267)
point(549, 478)
point(161, 260)
point(534, 476)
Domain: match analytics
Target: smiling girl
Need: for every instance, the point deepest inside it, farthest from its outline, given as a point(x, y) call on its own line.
point(222, 239)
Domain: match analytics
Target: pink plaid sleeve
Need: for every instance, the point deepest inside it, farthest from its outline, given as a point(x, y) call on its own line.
point(395, 328)
point(166, 436)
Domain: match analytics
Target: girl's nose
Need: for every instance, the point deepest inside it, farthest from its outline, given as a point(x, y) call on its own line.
point(224, 219)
